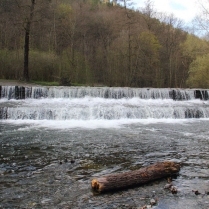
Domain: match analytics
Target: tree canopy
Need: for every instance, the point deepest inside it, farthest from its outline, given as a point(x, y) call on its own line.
point(91, 43)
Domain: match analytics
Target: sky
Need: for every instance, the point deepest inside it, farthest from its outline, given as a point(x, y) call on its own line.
point(185, 10)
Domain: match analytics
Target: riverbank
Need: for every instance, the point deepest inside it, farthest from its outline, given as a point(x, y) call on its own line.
point(4, 82)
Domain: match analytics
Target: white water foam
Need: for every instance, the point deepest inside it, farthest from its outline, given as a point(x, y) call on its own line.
point(104, 92)
point(94, 124)
point(89, 108)
point(97, 100)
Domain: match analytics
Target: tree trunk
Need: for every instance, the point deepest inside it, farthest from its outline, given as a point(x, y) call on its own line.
point(137, 177)
point(27, 42)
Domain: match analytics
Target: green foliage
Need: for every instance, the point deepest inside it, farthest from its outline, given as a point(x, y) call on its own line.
point(11, 63)
point(197, 50)
point(78, 84)
point(150, 45)
point(95, 2)
point(64, 10)
point(44, 83)
point(150, 59)
point(199, 72)
point(194, 46)
point(43, 66)
point(86, 42)
point(74, 67)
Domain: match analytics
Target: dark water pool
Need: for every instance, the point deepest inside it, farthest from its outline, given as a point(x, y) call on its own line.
point(49, 168)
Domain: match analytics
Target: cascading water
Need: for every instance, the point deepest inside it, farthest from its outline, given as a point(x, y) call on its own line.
point(104, 103)
point(13, 92)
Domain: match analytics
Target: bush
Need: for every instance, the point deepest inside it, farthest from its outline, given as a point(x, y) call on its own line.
point(43, 66)
point(11, 64)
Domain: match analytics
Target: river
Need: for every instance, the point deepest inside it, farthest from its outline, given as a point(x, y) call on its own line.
point(51, 147)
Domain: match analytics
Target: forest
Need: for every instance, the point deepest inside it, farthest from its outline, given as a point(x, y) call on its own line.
point(89, 42)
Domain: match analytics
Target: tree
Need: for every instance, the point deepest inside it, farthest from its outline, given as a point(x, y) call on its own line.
point(94, 43)
point(196, 53)
point(199, 72)
point(126, 3)
point(201, 21)
point(27, 14)
point(194, 46)
point(171, 37)
point(149, 60)
point(29, 20)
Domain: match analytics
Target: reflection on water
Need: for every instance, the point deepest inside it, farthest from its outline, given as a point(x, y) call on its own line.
point(44, 167)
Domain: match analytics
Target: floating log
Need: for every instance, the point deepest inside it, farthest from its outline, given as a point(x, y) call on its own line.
point(136, 177)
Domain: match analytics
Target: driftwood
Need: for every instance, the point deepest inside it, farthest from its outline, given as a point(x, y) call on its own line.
point(137, 177)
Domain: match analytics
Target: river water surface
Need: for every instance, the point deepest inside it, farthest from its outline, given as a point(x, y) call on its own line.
point(47, 160)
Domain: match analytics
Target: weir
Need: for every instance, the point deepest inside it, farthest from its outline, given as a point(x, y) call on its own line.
point(101, 103)
point(20, 92)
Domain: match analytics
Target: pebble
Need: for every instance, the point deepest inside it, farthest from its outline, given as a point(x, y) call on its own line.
point(167, 186)
point(173, 190)
point(153, 201)
point(50, 181)
point(196, 192)
point(58, 177)
point(45, 200)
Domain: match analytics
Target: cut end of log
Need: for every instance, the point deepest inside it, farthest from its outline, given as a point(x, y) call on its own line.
point(98, 184)
point(94, 184)
point(132, 178)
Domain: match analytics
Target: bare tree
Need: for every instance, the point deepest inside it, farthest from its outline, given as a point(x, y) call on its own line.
point(201, 21)
point(27, 41)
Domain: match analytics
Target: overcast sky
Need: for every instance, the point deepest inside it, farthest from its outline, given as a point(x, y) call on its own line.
point(183, 9)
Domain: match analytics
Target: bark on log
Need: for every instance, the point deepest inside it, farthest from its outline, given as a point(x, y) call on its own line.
point(133, 178)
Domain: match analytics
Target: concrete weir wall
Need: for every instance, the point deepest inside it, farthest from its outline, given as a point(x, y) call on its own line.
point(21, 92)
point(134, 103)
point(201, 94)
point(14, 92)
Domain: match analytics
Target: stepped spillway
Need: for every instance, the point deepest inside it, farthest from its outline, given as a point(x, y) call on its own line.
point(15, 92)
point(101, 103)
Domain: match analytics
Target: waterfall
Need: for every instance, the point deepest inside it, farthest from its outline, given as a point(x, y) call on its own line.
point(15, 92)
point(101, 103)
